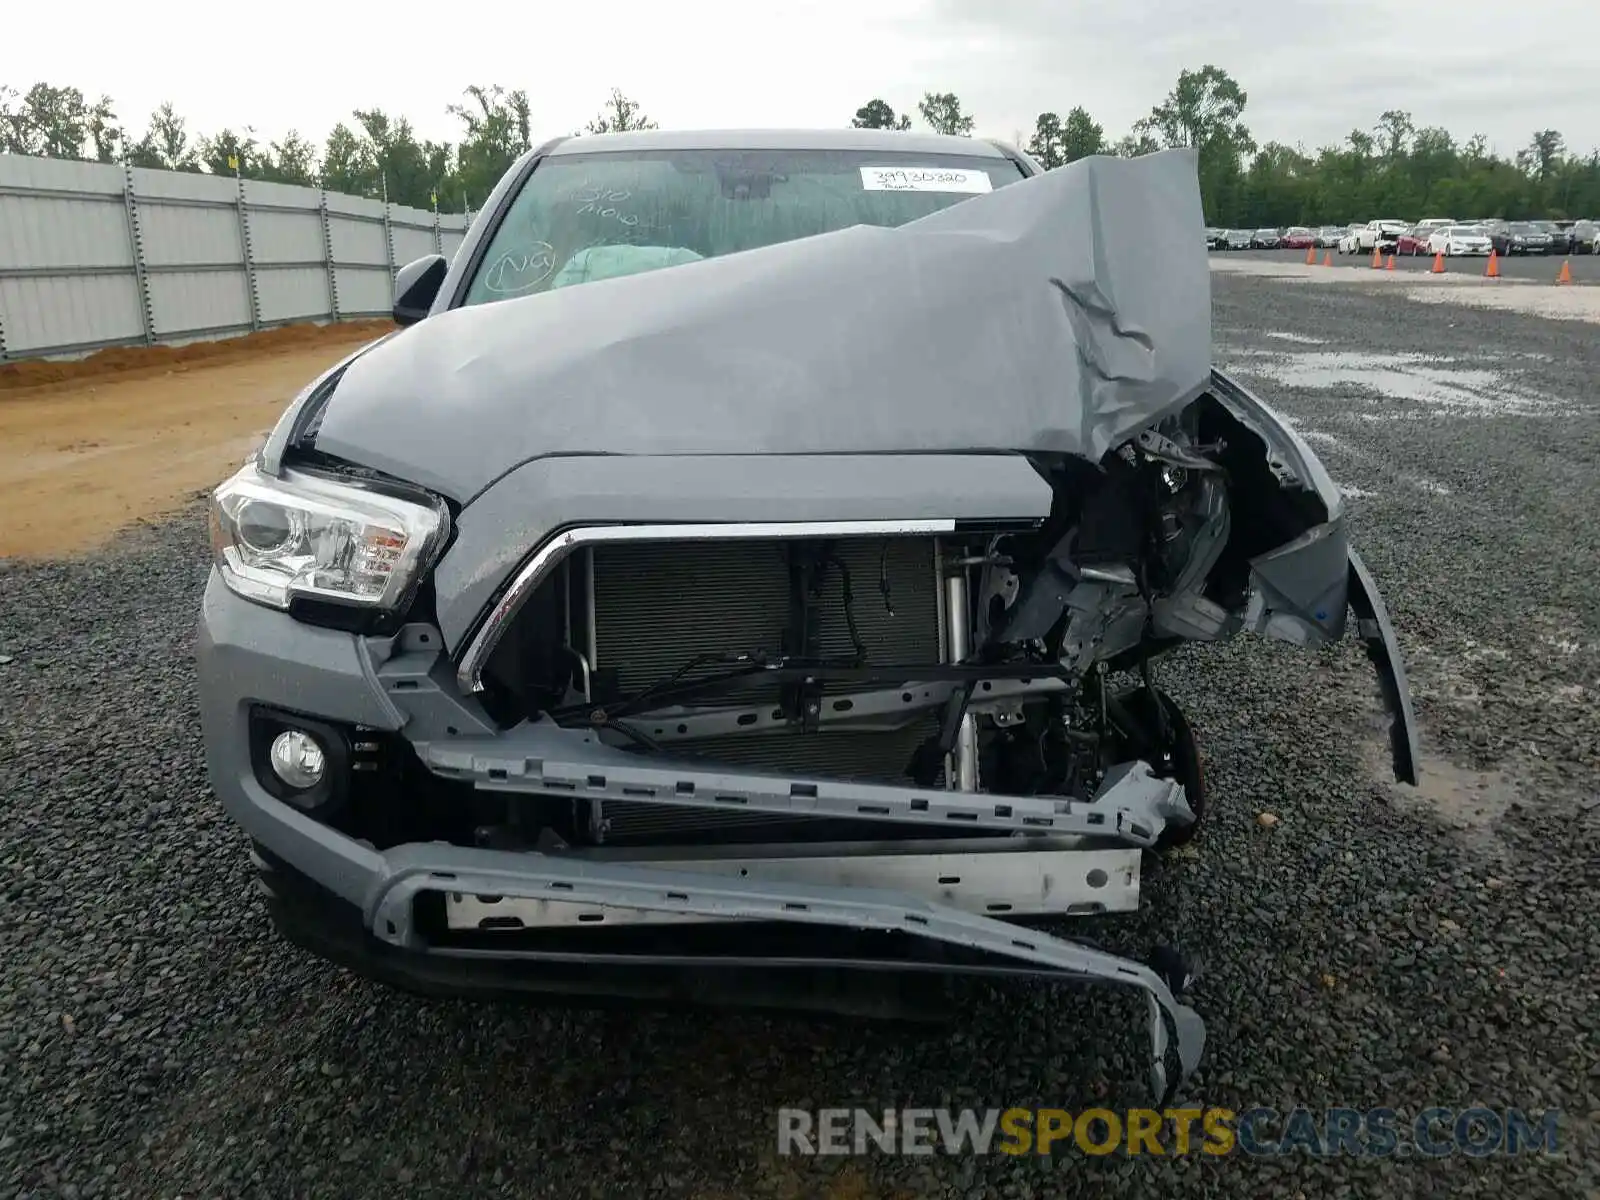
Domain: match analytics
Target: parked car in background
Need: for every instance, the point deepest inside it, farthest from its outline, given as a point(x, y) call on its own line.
point(1459, 239)
point(1238, 239)
point(1264, 239)
point(1328, 236)
point(1381, 235)
point(1414, 241)
point(1298, 237)
point(1585, 237)
point(1519, 237)
point(1350, 242)
point(1431, 223)
point(1560, 243)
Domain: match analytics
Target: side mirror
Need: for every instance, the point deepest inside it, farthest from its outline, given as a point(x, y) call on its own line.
point(416, 286)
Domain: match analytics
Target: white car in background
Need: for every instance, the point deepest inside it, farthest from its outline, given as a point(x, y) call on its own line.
point(1381, 235)
point(1459, 239)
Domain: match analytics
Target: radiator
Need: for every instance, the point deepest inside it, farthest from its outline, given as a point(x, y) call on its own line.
point(658, 605)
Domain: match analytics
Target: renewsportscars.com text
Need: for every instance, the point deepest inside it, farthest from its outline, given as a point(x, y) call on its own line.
point(1435, 1132)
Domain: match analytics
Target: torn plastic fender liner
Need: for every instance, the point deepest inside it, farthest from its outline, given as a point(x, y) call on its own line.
point(412, 870)
point(1307, 580)
point(1383, 648)
point(1298, 592)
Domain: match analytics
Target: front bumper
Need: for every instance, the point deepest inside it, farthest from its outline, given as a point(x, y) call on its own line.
point(359, 905)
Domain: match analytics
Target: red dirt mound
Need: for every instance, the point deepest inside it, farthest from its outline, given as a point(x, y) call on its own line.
point(134, 361)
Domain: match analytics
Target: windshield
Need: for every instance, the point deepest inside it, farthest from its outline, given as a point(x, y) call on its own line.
point(1520, 228)
point(1465, 231)
point(583, 217)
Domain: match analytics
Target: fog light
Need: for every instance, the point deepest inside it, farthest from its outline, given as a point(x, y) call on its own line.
point(297, 759)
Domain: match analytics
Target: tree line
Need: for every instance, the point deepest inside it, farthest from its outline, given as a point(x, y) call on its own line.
point(373, 154)
point(1394, 169)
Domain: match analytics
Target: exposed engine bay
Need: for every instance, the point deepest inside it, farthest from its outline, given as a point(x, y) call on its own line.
point(980, 661)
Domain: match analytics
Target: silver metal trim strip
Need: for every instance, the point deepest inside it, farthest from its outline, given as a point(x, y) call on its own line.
point(999, 878)
point(470, 674)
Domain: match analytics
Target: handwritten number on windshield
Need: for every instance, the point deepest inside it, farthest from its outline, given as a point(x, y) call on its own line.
point(602, 202)
point(518, 271)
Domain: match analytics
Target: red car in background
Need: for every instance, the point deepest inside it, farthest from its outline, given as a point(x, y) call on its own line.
point(1414, 240)
point(1298, 237)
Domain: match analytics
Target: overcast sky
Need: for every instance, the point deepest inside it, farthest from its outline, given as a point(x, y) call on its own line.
point(1313, 70)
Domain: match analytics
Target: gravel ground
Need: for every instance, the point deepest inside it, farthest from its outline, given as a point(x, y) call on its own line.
point(1373, 948)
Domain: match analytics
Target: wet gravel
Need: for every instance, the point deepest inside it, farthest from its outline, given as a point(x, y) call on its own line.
point(1374, 947)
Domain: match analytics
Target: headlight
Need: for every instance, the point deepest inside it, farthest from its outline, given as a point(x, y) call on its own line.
point(305, 535)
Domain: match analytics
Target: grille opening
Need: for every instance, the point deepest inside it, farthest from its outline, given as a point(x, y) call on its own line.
point(622, 617)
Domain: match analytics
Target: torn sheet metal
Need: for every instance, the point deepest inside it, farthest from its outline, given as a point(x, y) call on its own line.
point(1062, 313)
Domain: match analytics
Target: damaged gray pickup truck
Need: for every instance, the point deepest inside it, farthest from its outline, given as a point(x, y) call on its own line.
point(745, 568)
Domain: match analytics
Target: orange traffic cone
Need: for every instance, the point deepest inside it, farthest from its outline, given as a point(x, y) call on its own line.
point(1327, 259)
point(1311, 256)
point(1566, 271)
point(1389, 265)
point(1492, 271)
point(1438, 264)
point(1377, 257)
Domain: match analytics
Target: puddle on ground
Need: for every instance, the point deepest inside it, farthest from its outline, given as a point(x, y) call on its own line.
point(1463, 800)
point(1417, 379)
point(1463, 797)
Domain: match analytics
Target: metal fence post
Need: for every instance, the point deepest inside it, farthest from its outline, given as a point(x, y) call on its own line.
point(327, 250)
point(438, 234)
point(130, 203)
point(388, 235)
point(249, 260)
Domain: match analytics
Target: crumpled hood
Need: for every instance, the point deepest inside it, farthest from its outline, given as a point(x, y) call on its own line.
point(1059, 314)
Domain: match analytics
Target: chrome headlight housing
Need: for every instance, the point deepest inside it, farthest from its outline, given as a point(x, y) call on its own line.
point(342, 541)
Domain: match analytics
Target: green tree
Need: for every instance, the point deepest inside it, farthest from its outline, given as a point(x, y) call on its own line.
point(348, 163)
point(942, 112)
point(1046, 144)
point(1394, 132)
point(1544, 152)
point(216, 151)
point(105, 135)
point(1204, 109)
point(496, 132)
point(165, 145)
point(291, 160)
point(48, 122)
point(1081, 136)
point(1140, 140)
point(876, 114)
point(619, 115)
